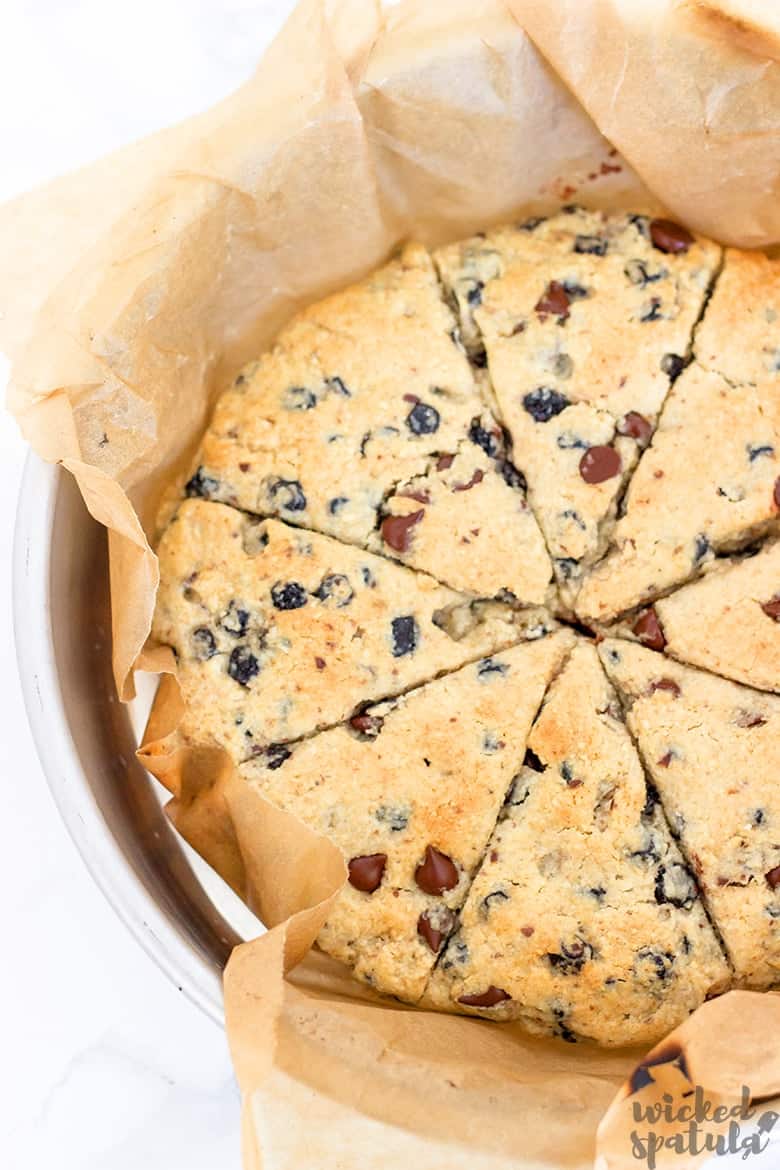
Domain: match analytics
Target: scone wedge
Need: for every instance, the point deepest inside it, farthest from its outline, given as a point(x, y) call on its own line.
point(583, 920)
point(411, 811)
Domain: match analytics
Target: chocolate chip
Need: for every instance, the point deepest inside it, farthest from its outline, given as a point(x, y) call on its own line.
point(288, 495)
point(485, 999)
point(275, 755)
point(235, 620)
point(757, 452)
point(204, 644)
point(553, 301)
point(474, 294)
point(365, 873)
point(405, 636)
point(648, 629)
point(436, 872)
point(599, 464)
point(368, 726)
point(572, 957)
point(636, 426)
point(335, 589)
point(772, 608)
point(488, 441)
point(665, 684)
point(299, 398)
point(590, 245)
point(512, 476)
point(201, 485)
point(776, 493)
point(748, 719)
point(544, 403)
point(288, 595)
point(444, 462)
point(423, 419)
point(337, 504)
point(675, 886)
point(320, 663)
point(666, 760)
point(434, 936)
point(422, 497)
point(672, 364)
point(669, 237)
point(476, 478)
point(773, 877)
point(243, 666)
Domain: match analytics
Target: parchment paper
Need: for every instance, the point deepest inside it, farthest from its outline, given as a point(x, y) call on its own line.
point(132, 291)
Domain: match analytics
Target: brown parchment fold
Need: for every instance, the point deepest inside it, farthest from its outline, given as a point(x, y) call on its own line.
point(131, 291)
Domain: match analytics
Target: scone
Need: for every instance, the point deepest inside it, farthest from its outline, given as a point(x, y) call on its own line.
point(727, 622)
point(712, 748)
point(587, 312)
point(583, 920)
point(412, 816)
point(280, 632)
point(361, 395)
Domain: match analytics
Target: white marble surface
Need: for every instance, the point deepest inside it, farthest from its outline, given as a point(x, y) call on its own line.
point(105, 1065)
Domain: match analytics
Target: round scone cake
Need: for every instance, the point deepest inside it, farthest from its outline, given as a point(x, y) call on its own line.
point(478, 574)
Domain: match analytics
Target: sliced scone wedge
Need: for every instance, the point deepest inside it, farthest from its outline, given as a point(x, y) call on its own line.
point(411, 815)
point(709, 483)
point(584, 319)
point(727, 622)
point(739, 336)
point(362, 393)
point(712, 748)
point(280, 632)
point(583, 920)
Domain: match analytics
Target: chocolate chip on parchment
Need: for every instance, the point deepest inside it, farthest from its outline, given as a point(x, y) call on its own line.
point(434, 927)
point(288, 595)
point(772, 608)
point(668, 236)
point(485, 999)
point(648, 629)
point(397, 530)
point(544, 403)
point(635, 426)
point(365, 873)
point(554, 301)
point(436, 872)
point(405, 635)
point(243, 666)
point(599, 464)
point(423, 419)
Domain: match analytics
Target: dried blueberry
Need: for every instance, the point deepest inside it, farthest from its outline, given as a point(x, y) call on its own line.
point(672, 364)
point(657, 963)
point(288, 595)
point(474, 294)
point(757, 452)
point(235, 620)
point(512, 476)
point(337, 504)
point(299, 398)
point(575, 291)
point(490, 900)
point(288, 495)
point(488, 441)
point(488, 668)
point(423, 419)
point(519, 790)
point(275, 755)
point(204, 644)
point(651, 310)
point(598, 892)
point(590, 245)
point(243, 666)
point(336, 589)
point(638, 273)
point(491, 743)
point(336, 386)
point(531, 760)
point(369, 580)
point(396, 819)
point(405, 636)
point(567, 567)
point(202, 485)
point(544, 403)
point(675, 886)
point(572, 956)
point(701, 548)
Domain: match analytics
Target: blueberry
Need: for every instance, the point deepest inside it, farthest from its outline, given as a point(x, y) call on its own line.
point(405, 636)
point(275, 755)
point(489, 441)
point(202, 485)
point(590, 245)
point(572, 957)
point(567, 567)
point(512, 476)
point(495, 898)
point(489, 668)
point(423, 419)
point(574, 291)
point(544, 403)
point(336, 386)
point(659, 963)
point(474, 294)
point(675, 886)
point(651, 311)
point(336, 589)
point(757, 452)
point(235, 621)
point(701, 548)
point(337, 504)
point(638, 273)
point(243, 666)
point(531, 760)
point(672, 364)
point(288, 595)
point(299, 398)
point(396, 819)
point(288, 495)
point(204, 644)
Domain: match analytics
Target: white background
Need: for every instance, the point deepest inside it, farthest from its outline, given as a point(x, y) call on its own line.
point(103, 1064)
